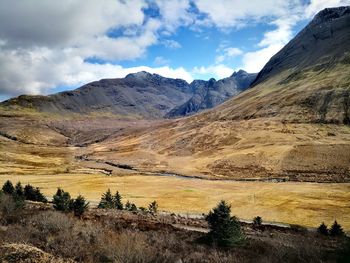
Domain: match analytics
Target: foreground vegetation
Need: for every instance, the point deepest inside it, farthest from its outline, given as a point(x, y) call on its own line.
point(113, 234)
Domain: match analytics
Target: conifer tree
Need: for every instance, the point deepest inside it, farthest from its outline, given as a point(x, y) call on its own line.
point(106, 200)
point(62, 201)
point(118, 201)
point(79, 205)
point(8, 188)
point(153, 207)
point(225, 230)
point(133, 207)
point(19, 192)
point(322, 229)
point(128, 205)
point(336, 229)
point(257, 221)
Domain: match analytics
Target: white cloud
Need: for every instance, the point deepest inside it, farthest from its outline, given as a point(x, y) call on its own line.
point(38, 71)
point(217, 71)
point(227, 53)
point(161, 61)
point(317, 5)
point(234, 13)
point(172, 44)
point(175, 13)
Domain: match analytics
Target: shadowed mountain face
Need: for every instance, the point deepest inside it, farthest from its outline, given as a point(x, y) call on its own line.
point(208, 94)
point(138, 95)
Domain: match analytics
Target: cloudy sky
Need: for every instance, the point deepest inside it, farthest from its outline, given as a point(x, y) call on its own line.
point(48, 46)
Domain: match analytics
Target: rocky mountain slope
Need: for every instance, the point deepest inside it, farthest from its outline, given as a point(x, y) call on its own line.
point(208, 94)
point(138, 95)
point(307, 81)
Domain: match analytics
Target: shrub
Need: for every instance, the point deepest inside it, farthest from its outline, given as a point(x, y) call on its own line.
point(130, 206)
point(322, 229)
point(8, 188)
point(10, 208)
point(118, 201)
point(62, 201)
point(153, 207)
point(106, 200)
point(225, 230)
point(79, 205)
point(257, 221)
point(336, 229)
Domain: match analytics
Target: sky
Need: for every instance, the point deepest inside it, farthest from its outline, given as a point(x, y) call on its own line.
point(48, 46)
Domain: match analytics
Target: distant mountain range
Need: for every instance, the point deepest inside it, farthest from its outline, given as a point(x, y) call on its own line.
point(139, 95)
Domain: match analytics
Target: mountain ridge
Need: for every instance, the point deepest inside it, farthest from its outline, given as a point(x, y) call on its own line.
point(140, 95)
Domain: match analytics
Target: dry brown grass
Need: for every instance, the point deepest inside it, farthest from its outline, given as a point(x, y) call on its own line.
point(306, 204)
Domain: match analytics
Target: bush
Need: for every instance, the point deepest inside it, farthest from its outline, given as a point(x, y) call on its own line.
point(79, 205)
point(130, 206)
point(8, 188)
point(106, 200)
point(225, 230)
point(257, 221)
point(322, 229)
point(62, 201)
point(34, 194)
point(10, 208)
point(153, 207)
point(336, 229)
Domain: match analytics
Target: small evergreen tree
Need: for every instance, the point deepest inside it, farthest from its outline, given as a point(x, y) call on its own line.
point(19, 192)
point(133, 207)
point(39, 197)
point(118, 201)
point(29, 192)
point(106, 200)
point(225, 230)
point(79, 206)
point(322, 229)
point(62, 201)
point(128, 205)
point(153, 207)
point(34, 194)
point(257, 221)
point(8, 188)
point(336, 229)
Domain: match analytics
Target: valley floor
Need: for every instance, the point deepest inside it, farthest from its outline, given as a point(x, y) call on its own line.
point(307, 204)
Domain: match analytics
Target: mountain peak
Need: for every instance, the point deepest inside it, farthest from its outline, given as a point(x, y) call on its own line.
point(329, 14)
point(239, 73)
point(139, 75)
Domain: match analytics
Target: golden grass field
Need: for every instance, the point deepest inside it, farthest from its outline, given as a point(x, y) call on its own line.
point(306, 204)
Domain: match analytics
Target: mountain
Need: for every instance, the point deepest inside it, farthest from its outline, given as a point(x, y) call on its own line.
point(292, 124)
point(208, 94)
point(138, 95)
point(307, 81)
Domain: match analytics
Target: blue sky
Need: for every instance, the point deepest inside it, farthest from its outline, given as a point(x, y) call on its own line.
point(49, 46)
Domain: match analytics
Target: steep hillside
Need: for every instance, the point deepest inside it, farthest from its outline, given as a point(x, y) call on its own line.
point(138, 95)
point(307, 81)
point(208, 94)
